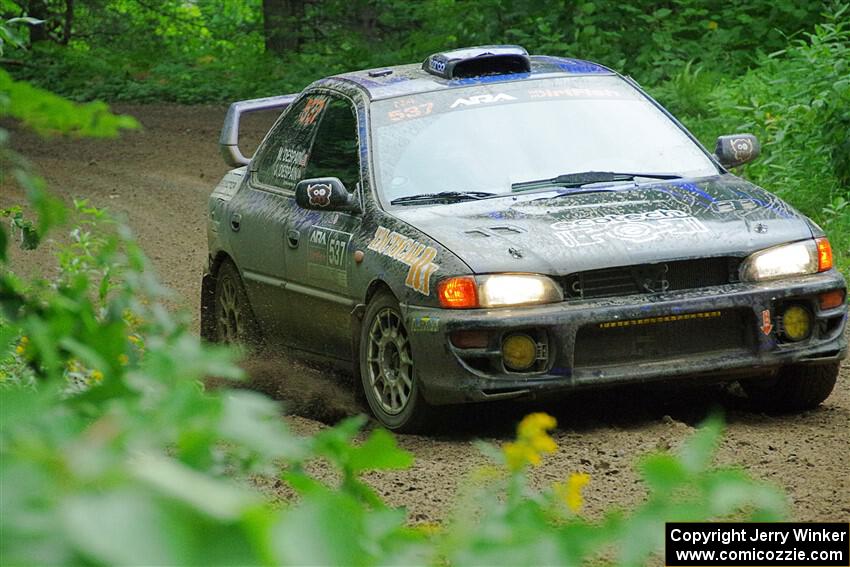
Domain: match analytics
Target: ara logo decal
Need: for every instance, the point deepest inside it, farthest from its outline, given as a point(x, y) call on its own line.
point(629, 227)
point(481, 99)
point(417, 256)
point(319, 194)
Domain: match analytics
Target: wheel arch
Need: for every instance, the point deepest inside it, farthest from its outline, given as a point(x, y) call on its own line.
point(375, 287)
point(208, 284)
point(220, 258)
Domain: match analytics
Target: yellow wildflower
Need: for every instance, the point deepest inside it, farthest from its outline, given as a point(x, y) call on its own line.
point(135, 339)
point(542, 443)
point(96, 375)
point(123, 359)
point(133, 320)
point(532, 440)
point(534, 424)
point(22, 346)
point(712, 25)
point(520, 454)
point(570, 491)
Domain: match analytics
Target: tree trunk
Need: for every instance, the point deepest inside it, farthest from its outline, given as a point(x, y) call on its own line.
point(38, 9)
point(282, 24)
point(68, 23)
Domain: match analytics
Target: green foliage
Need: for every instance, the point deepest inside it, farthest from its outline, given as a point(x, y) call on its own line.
point(9, 35)
point(213, 50)
point(47, 113)
point(797, 101)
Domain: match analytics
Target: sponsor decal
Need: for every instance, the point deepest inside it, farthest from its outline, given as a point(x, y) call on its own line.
point(437, 65)
point(311, 110)
point(419, 257)
point(425, 324)
point(319, 194)
point(766, 322)
point(481, 99)
point(629, 227)
point(660, 319)
point(573, 93)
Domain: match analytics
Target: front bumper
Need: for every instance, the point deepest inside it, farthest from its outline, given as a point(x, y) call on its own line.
point(449, 374)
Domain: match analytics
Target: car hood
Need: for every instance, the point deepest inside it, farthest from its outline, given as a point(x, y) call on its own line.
point(562, 231)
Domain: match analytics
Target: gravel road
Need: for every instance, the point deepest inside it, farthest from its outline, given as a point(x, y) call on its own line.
point(159, 179)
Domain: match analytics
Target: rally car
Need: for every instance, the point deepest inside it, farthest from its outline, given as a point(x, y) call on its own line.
point(490, 225)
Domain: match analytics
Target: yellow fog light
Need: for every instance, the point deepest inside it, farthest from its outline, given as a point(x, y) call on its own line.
point(519, 352)
point(797, 323)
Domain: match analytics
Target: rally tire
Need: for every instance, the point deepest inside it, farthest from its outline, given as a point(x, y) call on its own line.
point(234, 320)
point(796, 387)
point(387, 370)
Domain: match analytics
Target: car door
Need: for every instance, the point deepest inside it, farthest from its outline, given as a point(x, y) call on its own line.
point(319, 264)
point(259, 215)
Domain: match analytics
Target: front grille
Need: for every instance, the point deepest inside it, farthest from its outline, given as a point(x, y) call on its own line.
point(663, 337)
point(651, 278)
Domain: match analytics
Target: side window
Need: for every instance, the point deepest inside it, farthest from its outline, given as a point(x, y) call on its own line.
point(284, 156)
point(335, 150)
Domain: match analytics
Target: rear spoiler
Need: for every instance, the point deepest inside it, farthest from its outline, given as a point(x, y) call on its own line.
point(229, 140)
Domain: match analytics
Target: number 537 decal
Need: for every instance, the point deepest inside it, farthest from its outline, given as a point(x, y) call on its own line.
point(328, 258)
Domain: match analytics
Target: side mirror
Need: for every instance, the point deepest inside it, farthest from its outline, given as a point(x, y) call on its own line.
point(736, 149)
point(325, 194)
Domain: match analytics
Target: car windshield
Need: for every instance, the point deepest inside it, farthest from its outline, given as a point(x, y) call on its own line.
point(497, 138)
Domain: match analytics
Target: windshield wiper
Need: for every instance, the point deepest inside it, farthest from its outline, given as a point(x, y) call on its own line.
point(447, 196)
point(580, 179)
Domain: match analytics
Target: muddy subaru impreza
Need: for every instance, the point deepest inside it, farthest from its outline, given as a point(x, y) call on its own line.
point(490, 225)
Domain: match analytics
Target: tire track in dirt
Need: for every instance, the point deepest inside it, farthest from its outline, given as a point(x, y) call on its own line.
point(159, 179)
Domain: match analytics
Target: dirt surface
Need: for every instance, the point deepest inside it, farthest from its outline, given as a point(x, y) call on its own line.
point(159, 179)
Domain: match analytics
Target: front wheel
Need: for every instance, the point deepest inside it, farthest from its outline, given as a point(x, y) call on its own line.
point(387, 369)
point(796, 387)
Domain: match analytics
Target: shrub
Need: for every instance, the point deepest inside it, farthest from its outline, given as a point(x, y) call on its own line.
point(797, 101)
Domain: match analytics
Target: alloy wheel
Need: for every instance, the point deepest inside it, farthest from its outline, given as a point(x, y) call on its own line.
point(389, 362)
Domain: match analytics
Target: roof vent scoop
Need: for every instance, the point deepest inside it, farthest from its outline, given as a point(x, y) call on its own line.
point(478, 61)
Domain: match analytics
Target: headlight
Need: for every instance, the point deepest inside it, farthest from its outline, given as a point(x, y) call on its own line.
point(796, 259)
point(497, 290)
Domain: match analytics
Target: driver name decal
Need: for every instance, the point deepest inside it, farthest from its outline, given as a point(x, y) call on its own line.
point(628, 227)
point(409, 252)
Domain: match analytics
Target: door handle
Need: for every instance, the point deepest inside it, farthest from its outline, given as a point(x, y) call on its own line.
point(235, 221)
point(292, 238)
